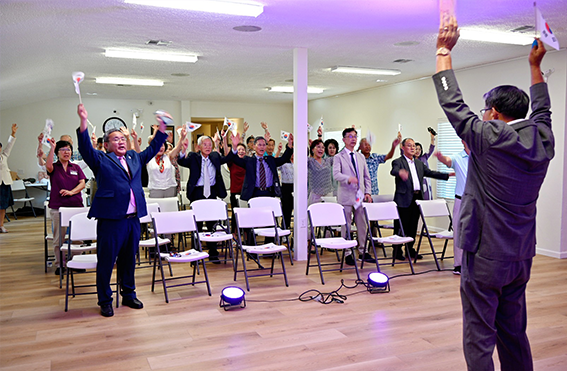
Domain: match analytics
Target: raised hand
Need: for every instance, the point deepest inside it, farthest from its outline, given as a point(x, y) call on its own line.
point(40, 138)
point(264, 126)
point(320, 131)
point(14, 129)
point(448, 32)
point(246, 126)
point(290, 141)
point(235, 140)
point(125, 131)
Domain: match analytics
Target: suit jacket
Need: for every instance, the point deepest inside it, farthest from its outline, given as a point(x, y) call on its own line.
point(343, 169)
point(507, 166)
point(249, 163)
point(193, 161)
point(113, 181)
point(5, 175)
point(404, 189)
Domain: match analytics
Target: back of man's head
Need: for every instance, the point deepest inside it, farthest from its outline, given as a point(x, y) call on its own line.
point(508, 100)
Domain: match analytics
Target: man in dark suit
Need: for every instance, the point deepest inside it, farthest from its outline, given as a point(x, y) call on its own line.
point(409, 173)
point(118, 204)
point(205, 179)
point(261, 171)
point(509, 159)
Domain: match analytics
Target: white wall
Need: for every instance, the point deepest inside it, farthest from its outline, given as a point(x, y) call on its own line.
point(414, 105)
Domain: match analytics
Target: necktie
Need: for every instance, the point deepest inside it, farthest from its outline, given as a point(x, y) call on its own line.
point(353, 163)
point(124, 164)
point(132, 203)
point(206, 179)
point(262, 173)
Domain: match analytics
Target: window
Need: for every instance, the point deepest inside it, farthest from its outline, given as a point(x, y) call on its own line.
point(448, 143)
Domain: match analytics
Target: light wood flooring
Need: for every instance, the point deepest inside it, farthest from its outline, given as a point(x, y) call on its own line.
point(417, 326)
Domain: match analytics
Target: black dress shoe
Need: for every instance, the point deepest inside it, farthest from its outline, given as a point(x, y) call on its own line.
point(367, 258)
point(349, 260)
point(413, 254)
point(214, 259)
point(106, 310)
point(58, 271)
point(133, 303)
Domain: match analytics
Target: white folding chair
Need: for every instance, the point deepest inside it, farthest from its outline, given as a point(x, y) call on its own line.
point(81, 228)
point(247, 218)
point(275, 205)
point(19, 186)
point(215, 210)
point(171, 223)
point(379, 212)
point(325, 214)
point(65, 214)
point(47, 235)
point(149, 243)
point(435, 209)
point(166, 205)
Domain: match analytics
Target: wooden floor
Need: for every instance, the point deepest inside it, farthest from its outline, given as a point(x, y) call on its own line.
point(417, 326)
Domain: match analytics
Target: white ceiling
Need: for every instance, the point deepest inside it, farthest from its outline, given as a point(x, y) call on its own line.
point(43, 41)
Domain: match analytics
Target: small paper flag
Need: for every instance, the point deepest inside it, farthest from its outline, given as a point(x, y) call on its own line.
point(78, 77)
point(47, 129)
point(191, 126)
point(284, 135)
point(370, 137)
point(231, 125)
point(134, 121)
point(165, 117)
point(546, 35)
point(400, 128)
point(309, 128)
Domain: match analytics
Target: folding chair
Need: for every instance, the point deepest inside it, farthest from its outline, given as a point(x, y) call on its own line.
point(166, 205)
point(251, 219)
point(275, 205)
point(65, 214)
point(325, 214)
point(47, 235)
point(19, 186)
point(148, 243)
point(435, 209)
point(214, 210)
point(171, 223)
point(375, 213)
point(81, 228)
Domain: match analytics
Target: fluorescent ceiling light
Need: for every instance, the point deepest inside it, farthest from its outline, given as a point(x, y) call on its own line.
point(212, 6)
point(289, 89)
point(150, 55)
point(365, 71)
point(493, 36)
point(128, 81)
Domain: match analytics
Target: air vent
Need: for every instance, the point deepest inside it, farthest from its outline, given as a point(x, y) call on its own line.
point(158, 42)
point(407, 43)
point(247, 28)
point(524, 29)
point(401, 60)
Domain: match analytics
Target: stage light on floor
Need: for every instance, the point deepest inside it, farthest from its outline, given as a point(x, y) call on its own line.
point(232, 297)
point(378, 282)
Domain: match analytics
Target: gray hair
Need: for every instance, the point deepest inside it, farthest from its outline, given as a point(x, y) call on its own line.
point(202, 139)
point(106, 137)
point(259, 138)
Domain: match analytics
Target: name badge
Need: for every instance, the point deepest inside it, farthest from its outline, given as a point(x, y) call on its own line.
point(73, 172)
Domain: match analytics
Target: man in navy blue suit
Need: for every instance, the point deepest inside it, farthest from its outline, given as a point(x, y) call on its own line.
point(118, 204)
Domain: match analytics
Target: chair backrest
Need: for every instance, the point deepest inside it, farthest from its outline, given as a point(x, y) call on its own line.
point(82, 228)
point(65, 214)
point(209, 210)
point(152, 208)
point(331, 199)
point(18, 185)
point(382, 198)
point(270, 202)
point(433, 208)
point(174, 222)
point(165, 204)
point(254, 218)
point(323, 214)
point(381, 211)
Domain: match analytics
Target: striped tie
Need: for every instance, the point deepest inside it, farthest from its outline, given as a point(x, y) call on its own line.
point(262, 174)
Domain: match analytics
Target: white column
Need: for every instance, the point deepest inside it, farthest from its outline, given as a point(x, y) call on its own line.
point(300, 140)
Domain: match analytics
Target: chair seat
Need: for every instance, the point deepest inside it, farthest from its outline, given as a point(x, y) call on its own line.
point(49, 236)
point(269, 232)
point(395, 239)
point(152, 242)
point(79, 248)
point(267, 248)
point(88, 261)
point(338, 243)
point(446, 234)
point(386, 226)
point(214, 237)
point(25, 199)
point(185, 256)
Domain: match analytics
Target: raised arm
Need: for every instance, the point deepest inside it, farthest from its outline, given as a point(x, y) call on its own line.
point(446, 160)
point(448, 36)
point(50, 156)
point(536, 55)
point(395, 144)
point(135, 143)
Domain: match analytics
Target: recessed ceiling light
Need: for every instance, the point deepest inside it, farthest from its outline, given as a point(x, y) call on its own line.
point(158, 42)
point(289, 89)
point(150, 55)
point(128, 81)
point(211, 6)
point(381, 80)
point(247, 28)
point(402, 60)
point(365, 70)
point(407, 43)
point(493, 36)
point(92, 94)
point(180, 74)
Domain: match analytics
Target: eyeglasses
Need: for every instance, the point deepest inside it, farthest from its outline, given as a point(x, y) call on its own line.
point(119, 139)
point(64, 149)
point(351, 136)
point(482, 111)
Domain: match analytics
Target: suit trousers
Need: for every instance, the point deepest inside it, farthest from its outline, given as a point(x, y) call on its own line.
point(457, 251)
point(493, 295)
point(409, 216)
point(360, 222)
point(287, 203)
point(117, 241)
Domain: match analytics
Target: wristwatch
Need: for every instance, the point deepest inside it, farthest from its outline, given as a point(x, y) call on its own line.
point(443, 51)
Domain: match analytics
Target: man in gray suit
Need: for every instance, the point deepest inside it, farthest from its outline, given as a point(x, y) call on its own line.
point(508, 163)
point(351, 172)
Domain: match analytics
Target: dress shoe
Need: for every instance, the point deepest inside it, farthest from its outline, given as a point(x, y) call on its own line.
point(367, 258)
point(414, 254)
point(214, 259)
point(457, 270)
point(58, 271)
point(349, 260)
point(133, 303)
point(79, 270)
point(399, 255)
point(106, 310)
